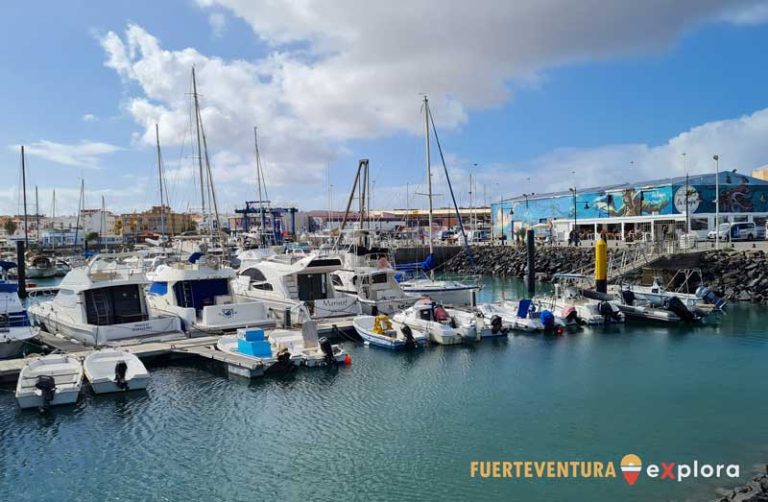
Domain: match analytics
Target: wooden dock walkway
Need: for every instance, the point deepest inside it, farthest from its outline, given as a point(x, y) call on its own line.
point(203, 347)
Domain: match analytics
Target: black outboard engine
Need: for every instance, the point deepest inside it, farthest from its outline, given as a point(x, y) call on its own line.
point(628, 297)
point(410, 343)
point(327, 348)
point(283, 364)
point(606, 310)
point(496, 324)
point(453, 323)
point(676, 306)
point(121, 368)
point(46, 384)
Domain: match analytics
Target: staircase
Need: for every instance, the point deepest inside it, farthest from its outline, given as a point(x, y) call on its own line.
point(630, 259)
point(101, 308)
point(187, 297)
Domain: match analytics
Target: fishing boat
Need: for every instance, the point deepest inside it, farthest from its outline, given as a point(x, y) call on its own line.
point(114, 370)
point(252, 343)
point(376, 289)
point(381, 331)
point(300, 285)
point(52, 380)
point(15, 328)
point(199, 292)
point(440, 325)
point(104, 303)
point(521, 316)
point(658, 295)
point(671, 310)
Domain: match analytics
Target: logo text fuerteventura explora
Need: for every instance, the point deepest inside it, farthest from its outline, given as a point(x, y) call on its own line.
point(631, 468)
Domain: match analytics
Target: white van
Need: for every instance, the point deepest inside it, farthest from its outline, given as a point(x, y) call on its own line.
point(738, 232)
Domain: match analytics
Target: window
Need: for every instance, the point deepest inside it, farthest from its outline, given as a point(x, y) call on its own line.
point(379, 278)
point(699, 223)
point(265, 286)
point(254, 274)
point(336, 280)
point(740, 218)
point(760, 220)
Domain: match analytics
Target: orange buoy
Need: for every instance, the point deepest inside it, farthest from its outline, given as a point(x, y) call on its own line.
point(559, 330)
point(347, 360)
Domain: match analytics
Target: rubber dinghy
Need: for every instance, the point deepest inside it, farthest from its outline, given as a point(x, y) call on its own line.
point(113, 370)
point(48, 381)
point(381, 331)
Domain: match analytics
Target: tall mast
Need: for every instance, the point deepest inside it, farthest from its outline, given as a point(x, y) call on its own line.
point(53, 222)
point(199, 144)
point(429, 169)
point(80, 205)
point(37, 215)
point(262, 217)
point(213, 205)
point(24, 191)
point(102, 221)
point(471, 205)
point(160, 178)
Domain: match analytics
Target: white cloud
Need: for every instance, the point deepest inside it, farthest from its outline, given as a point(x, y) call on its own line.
point(89, 117)
point(85, 154)
point(218, 23)
point(347, 70)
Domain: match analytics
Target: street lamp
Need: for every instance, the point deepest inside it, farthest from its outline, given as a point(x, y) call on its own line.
point(575, 227)
point(687, 193)
point(716, 158)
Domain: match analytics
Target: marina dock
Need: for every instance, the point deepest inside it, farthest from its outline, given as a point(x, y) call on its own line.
point(200, 347)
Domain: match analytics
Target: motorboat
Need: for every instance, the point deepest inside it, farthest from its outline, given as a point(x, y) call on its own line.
point(52, 380)
point(252, 343)
point(297, 286)
point(417, 283)
point(115, 370)
point(569, 296)
point(15, 328)
point(671, 310)
point(200, 293)
point(521, 316)
point(40, 267)
point(442, 326)
point(381, 331)
point(658, 295)
point(312, 351)
point(61, 267)
point(103, 303)
point(376, 289)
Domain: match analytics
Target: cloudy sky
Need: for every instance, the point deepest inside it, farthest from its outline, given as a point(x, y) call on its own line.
point(530, 95)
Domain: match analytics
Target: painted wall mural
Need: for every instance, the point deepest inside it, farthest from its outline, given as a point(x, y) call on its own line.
point(740, 194)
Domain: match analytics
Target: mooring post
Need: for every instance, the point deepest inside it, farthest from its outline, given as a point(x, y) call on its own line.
point(531, 272)
point(601, 265)
point(21, 269)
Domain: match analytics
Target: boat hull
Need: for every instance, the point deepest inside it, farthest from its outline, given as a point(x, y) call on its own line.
point(445, 296)
point(108, 386)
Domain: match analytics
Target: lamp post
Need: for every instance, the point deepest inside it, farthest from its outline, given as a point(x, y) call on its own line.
point(501, 212)
point(575, 222)
point(716, 158)
point(687, 194)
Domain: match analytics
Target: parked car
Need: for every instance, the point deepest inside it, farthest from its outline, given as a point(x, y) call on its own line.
point(737, 232)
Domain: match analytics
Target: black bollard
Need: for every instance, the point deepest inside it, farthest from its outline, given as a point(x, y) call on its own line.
point(21, 269)
point(531, 272)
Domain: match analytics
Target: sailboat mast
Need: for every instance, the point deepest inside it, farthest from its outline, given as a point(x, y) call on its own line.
point(213, 205)
point(80, 205)
point(262, 217)
point(160, 179)
point(24, 195)
point(199, 144)
point(102, 222)
point(53, 222)
point(37, 215)
point(429, 168)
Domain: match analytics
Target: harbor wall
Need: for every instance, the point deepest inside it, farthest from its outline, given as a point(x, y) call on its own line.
point(441, 254)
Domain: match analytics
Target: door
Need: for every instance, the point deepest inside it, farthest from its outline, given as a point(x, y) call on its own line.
point(312, 287)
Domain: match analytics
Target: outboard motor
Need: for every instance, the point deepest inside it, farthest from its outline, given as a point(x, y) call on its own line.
point(674, 305)
point(606, 310)
point(628, 297)
point(46, 384)
point(121, 368)
point(547, 319)
point(327, 348)
point(496, 324)
point(452, 323)
point(710, 297)
point(283, 364)
point(410, 343)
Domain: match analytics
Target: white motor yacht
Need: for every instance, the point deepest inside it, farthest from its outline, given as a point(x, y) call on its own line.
point(376, 289)
point(442, 326)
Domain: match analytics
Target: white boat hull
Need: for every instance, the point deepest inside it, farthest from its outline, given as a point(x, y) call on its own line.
point(67, 373)
point(99, 369)
point(394, 341)
point(12, 341)
point(459, 295)
point(107, 386)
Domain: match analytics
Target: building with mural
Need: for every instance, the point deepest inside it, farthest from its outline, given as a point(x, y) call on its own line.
point(654, 210)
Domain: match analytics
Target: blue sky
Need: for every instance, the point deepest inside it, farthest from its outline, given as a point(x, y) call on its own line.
point(541, 104)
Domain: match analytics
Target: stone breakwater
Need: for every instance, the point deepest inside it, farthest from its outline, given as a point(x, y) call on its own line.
point(754, 491)
point(734, 275)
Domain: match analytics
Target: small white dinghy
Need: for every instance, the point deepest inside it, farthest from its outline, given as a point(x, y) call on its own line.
point(115, 370)
point(380, 331)
point(51, 380)
point(305, 344)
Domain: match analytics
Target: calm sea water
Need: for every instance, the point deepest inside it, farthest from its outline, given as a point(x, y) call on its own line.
point(406, 426)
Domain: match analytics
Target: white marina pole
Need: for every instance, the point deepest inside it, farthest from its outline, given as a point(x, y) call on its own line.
point(717, 201)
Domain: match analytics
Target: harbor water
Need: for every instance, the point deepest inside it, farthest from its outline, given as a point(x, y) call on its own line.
point(406, 426)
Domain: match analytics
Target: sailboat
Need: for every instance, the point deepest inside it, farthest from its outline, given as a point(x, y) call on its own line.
point(200, 291)
point(416, 282)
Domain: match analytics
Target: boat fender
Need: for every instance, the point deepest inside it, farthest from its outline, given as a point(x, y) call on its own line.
point(46, 384)
point(121, 368)
point(496, 324)
point(410, 343)
point(327, 348)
